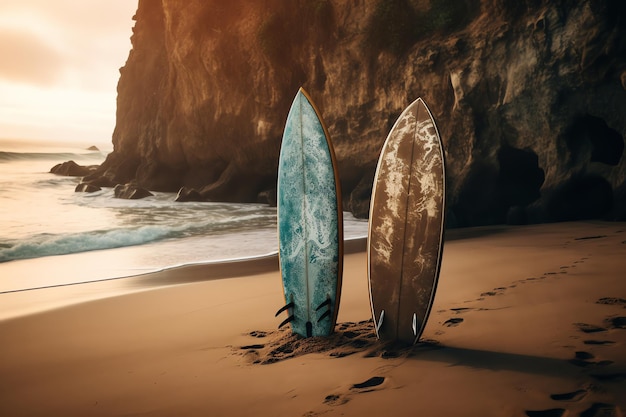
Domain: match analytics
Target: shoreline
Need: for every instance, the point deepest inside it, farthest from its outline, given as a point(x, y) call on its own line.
point(526, 319)
point(54, 297)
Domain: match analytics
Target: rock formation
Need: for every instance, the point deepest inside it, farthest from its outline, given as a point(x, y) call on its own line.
point(529, 97)
point(188, 194)
point(130, 191)
point(86, 188)
point(72, 169)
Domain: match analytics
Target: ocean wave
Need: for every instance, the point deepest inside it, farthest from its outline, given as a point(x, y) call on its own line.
point(50, 244)
point(52, 156)
point(46, 244)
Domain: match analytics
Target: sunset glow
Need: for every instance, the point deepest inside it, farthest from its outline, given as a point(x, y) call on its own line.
point(60, 66)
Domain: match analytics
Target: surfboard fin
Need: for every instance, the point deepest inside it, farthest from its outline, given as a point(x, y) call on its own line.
point(287, 320)
point(324, 303)
point(283, 308)
point(379, 323)
point(323, 316)
point(414, 325)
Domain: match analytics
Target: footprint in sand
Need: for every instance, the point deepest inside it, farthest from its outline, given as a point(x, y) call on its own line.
point(495, 291)
point(453, 322)
point(590, 237)
point(583, 359)
point(601, 410)
point(368, 385)
point(552, 412)
point(611, 322)
point(580, 261)
point(526, 280)
point(570, 396)
point(335, 399)
point(252, 347)
point(596, 409)
point(589, 328)
point(390, 354)
point(612, 301)
point(372, 384)
point(598, 342)
point(616, 322)
point(462, 310)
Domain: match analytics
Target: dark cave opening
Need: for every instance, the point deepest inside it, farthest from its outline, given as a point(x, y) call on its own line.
point(520, 177)
point(589, 138)
point(489, 191)
point(582, 197)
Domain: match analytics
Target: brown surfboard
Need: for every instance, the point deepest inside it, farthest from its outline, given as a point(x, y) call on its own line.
point(405, 236)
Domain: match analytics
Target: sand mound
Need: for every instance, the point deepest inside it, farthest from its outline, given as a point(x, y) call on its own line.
point(349, 338)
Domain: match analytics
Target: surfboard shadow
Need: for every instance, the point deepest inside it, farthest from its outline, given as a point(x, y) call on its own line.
point(497, 361)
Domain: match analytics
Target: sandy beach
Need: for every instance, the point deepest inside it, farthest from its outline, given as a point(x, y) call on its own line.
point(527, 321)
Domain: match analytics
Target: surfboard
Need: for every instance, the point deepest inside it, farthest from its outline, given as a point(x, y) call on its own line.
point(310, 222)
point(405, 231)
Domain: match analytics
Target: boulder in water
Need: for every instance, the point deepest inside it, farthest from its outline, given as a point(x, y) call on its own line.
point(188, 194)
point(72, 169)
point(85, 187)
point(130, 191)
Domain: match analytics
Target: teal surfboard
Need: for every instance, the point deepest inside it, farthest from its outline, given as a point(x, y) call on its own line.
point(310, 222)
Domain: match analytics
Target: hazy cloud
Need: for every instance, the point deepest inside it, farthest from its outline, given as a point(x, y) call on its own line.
point(24, 57)
point(59, 62)
point(77, 44)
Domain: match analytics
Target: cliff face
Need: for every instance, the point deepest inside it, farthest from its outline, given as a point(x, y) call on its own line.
point(529, 97)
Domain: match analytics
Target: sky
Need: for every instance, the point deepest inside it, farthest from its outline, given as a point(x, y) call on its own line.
point(59, 67)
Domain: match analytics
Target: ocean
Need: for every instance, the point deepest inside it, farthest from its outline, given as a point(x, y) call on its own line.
point(44, 224)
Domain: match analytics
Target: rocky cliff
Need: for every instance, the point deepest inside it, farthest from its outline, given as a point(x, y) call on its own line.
point(529, 97)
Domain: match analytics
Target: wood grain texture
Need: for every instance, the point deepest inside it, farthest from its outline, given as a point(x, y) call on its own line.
point(406, 225)
point(310, 220)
